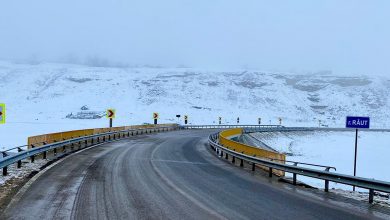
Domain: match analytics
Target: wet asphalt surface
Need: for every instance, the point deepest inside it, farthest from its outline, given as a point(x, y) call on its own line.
point(171, 175)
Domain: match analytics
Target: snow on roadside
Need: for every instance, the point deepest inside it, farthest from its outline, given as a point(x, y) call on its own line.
point(379, 198)
point(23, 172)
point(335, 149)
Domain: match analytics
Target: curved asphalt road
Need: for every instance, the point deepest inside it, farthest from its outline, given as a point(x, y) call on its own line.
point(167, 176)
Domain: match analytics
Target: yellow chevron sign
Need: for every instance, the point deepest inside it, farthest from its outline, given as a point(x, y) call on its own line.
point(110, 113)
point(2, 113)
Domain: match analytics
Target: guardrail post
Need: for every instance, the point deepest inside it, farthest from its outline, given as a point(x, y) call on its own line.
point(32, 158)
point(295, 175)
point(63, 147)
point(44, 155)
point(5, 171)
point(253, 166)
point(326, 185)
point(19, 164)
point(270, 172)
point(294, 179)
point(242, 163)
point(371, 196)
point(226, 156)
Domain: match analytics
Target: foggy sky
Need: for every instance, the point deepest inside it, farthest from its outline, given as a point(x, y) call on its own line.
point(346, 36)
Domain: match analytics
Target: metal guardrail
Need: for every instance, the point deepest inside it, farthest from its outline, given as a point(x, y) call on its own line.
point(88, 141)
point(370, 184)
point(268, 128)
point(228, 126)
point(287, 129)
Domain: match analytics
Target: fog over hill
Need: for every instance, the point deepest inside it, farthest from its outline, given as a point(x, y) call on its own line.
point(51, 92)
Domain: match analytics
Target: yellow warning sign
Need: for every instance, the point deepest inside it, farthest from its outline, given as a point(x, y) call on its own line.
point(2, 113)
point(110, 113)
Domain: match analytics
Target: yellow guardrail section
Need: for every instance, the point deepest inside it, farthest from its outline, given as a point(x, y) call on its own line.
point(225, 140)
point(60, 136)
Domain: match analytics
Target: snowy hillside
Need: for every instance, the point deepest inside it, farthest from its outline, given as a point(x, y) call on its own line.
point(40, 97)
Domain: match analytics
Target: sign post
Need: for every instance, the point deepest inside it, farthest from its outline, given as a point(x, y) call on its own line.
point(259, 121)
point(238, 120)
point(185, 119)
point(178, 118)
point(220, 120)
point(110, 115)
point(2, 113)
point(357, 123)
point(155, 117)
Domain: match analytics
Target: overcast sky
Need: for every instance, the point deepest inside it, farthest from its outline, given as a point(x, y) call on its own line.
point(347, 36)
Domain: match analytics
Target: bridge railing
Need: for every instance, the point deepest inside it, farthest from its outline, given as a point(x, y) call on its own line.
point(74, 144)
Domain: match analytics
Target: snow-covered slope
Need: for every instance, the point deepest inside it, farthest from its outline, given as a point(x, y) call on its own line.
point(39, 97)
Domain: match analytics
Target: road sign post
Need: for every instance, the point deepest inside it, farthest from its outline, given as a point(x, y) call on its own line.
point(2, 113)
point(238, 120)
point(259, 121)
point(110, 115)
point(357, 123)
point(155, 117)
point(178, 118)
point(220, 120)
point(185, 119)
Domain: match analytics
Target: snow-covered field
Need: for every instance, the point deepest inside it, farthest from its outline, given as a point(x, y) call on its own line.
point(335, 149)
point(40, 97)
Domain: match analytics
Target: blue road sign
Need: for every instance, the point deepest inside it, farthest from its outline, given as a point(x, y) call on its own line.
point(357, 122)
